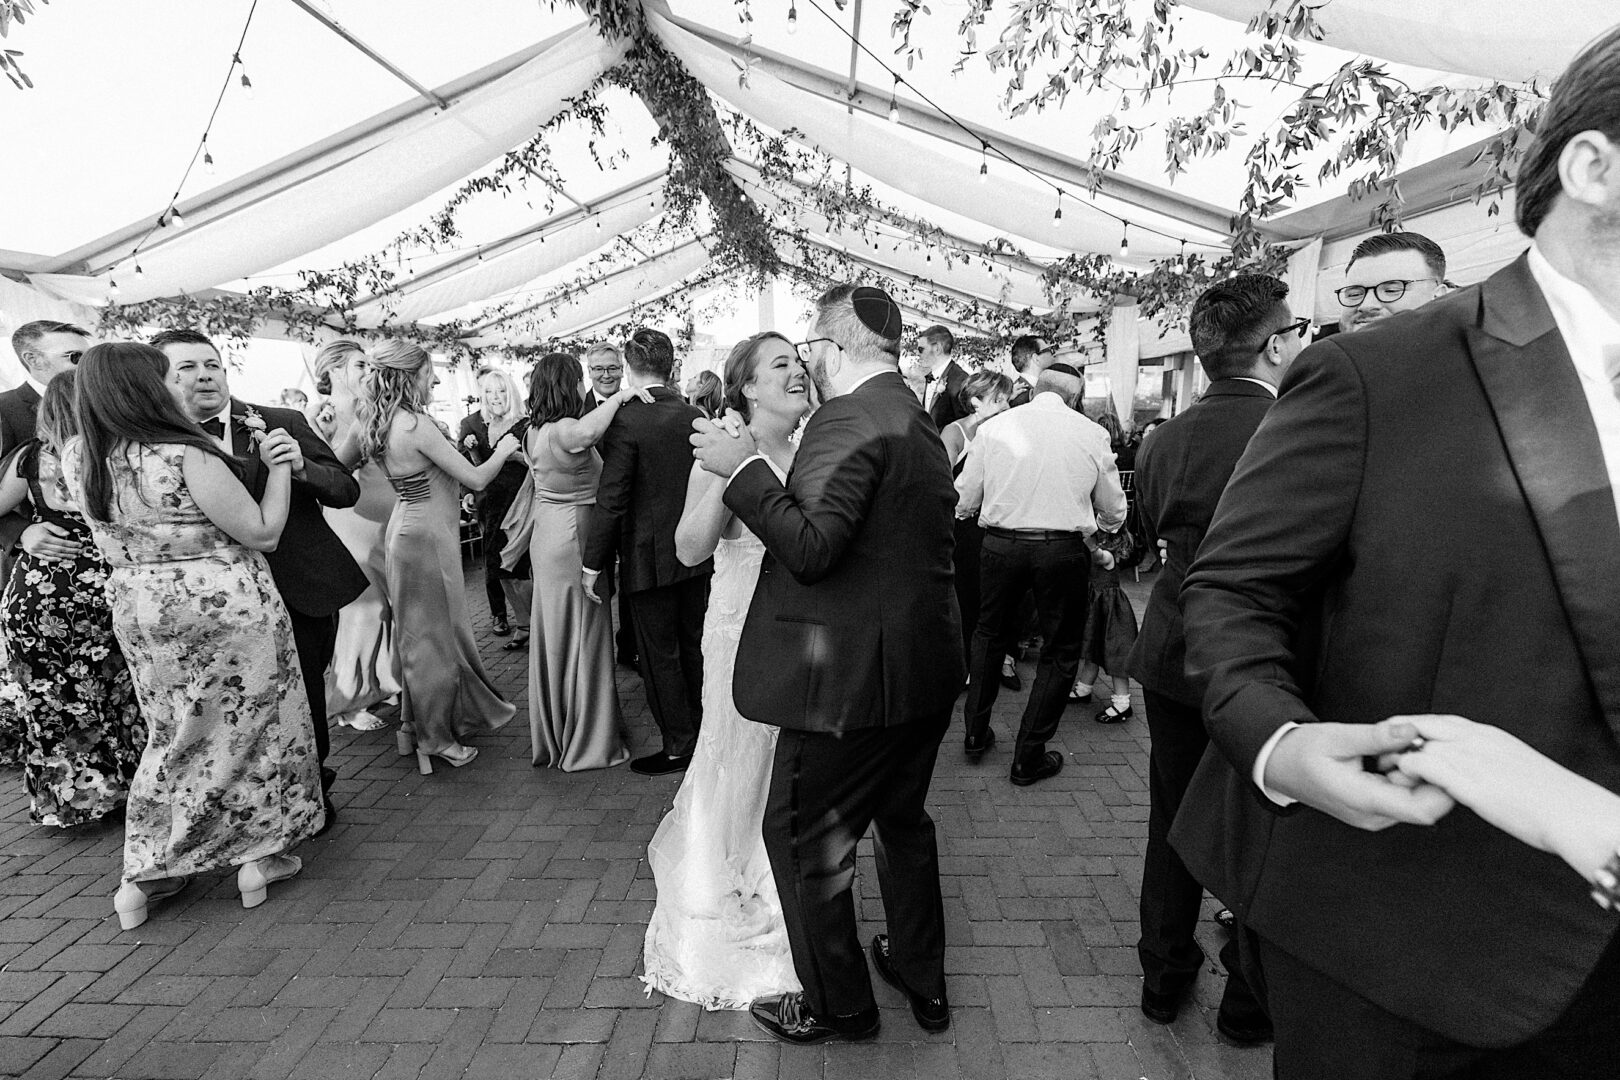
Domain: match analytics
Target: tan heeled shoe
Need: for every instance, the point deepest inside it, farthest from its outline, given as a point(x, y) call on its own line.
point(405, 740)
point(133, 898)
point(456, 754)
point(253, 879)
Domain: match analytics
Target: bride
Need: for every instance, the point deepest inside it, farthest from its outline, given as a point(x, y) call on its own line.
point(716, 935)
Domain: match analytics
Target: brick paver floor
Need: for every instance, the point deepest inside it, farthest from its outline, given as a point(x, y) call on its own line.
point(487, 922)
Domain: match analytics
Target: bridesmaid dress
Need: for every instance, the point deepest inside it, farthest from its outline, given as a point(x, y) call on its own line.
point(445, 693)
point(574, 718)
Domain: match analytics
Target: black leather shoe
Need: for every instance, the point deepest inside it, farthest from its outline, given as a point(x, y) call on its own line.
point(1251, 1031)
point(1161, 1007)
point(1010, 679)
point(977, 748)
point(789, 1019)
point(1051, 764)
point(931, 1013)
point(659, 764)
point(500, 628)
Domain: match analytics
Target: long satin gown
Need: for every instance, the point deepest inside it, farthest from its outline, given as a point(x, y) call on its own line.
point(362, 674)
point(445, 693)
point(574, 718)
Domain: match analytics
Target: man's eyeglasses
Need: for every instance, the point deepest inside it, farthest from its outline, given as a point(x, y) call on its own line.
point(614, 370)
point(72, 356)
point(803, 347)
point(1389, 291)
point(1300, 327)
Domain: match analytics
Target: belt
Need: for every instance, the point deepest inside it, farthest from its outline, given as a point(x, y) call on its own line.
point(1032, 534)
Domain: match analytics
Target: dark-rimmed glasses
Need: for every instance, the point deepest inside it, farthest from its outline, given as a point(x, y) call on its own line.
point(1300, 327)
point(1351, 296)
point(802, 347)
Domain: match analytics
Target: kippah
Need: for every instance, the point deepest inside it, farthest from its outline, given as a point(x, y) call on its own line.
point(1065, 369)
point(877, 312)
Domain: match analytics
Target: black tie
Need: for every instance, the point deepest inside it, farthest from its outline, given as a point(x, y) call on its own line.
point(215, 427)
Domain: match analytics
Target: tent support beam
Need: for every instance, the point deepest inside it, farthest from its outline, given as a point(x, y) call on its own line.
point(372, 54)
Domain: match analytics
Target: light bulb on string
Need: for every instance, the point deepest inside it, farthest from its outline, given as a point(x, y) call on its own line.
point(112, 289)
point(138, 271)
point(894, 102)
point(1057, 215)
point(175, 219)
point(984, 162)
point(247, 83)
point(208, 157)
point(1125, 240)
point(1181, 260)
point(793, 17)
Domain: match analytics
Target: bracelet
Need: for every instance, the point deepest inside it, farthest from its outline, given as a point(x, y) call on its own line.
point(1606, 884)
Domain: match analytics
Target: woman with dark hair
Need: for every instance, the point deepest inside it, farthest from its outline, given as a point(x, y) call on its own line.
point(984, 394)
point(574, 719)
point(716, 936)
point(707, 392)
point(81, 725)
point(500, 410)
point(446, 694)
point(229, 776)
point(361, 674)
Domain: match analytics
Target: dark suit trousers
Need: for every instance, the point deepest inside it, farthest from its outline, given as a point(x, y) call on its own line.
point(1325, 1029)
point(825, 791)
point(624, 639)
point(965, 561)
point(669, 645)
point(315, 637)
point(1058, 572)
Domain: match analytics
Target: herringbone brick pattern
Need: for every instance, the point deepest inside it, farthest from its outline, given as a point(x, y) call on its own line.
point(487, 922)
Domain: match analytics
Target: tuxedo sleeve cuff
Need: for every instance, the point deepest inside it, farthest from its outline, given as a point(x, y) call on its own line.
point(1260, 760)
point(745, 463)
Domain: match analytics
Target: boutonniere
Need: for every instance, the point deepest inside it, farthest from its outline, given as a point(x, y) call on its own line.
point(255, 424)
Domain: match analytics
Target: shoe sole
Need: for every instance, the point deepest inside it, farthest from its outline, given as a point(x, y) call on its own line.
point(858, 1036)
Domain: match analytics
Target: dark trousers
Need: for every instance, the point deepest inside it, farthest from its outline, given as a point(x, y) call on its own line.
point(1325, 1029)
point(965, 563)
point(497, 579)
point(1172, 898)
point(315, 637)
point(1057, 571)
point(624, 638)
point(826, 790)
point(669, 646)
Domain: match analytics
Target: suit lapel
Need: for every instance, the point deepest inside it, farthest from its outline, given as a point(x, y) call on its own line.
point(1547, 428)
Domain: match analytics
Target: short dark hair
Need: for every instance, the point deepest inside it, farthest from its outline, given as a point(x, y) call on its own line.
point(1434, 256)
point(184, 336)
point(28, 334)
point(650, 352)
point(1586, 97)
point(1025, 347)
point(1232, 319)
point(938, 333)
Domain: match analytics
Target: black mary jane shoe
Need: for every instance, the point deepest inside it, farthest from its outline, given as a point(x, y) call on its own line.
point(1112, 715)
point(931, 1013)
point(500, 627)
point(788, 1018)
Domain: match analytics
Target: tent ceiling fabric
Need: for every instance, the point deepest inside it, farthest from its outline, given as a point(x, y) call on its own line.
point(289, 221)
point(1468, 37)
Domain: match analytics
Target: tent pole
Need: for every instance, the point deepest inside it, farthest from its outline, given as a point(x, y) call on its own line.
point(854, 61)
point(376, 57)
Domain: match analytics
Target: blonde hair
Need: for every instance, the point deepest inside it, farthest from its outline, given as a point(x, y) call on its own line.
point(334, 355)
point(514, 401)
point(395, 386)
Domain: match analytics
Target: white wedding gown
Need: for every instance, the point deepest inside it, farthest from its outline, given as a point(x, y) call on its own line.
point(716, 935)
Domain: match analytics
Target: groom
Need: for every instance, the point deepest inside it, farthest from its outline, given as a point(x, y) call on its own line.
point(853, 648)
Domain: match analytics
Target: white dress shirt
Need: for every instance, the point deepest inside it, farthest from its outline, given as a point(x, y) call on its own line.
point(224, 416)
point(1588, 331)
point(1042, 466)
point(935, 382)
point(39, 387)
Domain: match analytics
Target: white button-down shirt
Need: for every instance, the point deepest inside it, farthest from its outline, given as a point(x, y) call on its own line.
point(1043, 466)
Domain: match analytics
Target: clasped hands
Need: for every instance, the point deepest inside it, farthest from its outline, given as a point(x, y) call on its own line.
point(277, 447)
point(722, 445)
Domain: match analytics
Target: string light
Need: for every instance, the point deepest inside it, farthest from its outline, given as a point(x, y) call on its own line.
point(247, 83)
point(175, 220)
point(984, 162)
point(1125, 240)
point(1057, 215)
point(112, 289)
point(138, 271)
point(793, 17)
point(208, 157)
point(894, 102)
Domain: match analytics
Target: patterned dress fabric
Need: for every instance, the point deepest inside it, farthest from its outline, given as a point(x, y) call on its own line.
point(716, 936)
point(362, 674)
point(229, 774)
point(446, 694)
point(82, 728)
point(574, 718)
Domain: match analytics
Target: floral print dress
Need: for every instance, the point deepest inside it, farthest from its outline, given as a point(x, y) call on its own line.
point(82, 730)
point(230, 773)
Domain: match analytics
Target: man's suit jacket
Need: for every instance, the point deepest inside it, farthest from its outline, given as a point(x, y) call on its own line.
point(646, 461)
point(854, 621)
point(19, 409)
point(1423, 524)
point(1178, 482)
point(313, 571)
point(946, 408)
point(1023, 390)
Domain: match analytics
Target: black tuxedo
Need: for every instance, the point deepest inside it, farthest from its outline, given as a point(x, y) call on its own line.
point(1426, 503)
point(946, 408)
point(19, 408)
point(624, 636)
point(646, 460)
point(853, 646)
point(313, 571)
point(1179, 479)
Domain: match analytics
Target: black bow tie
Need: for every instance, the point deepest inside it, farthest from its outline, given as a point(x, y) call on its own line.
point(214, 427)
point(928, 378)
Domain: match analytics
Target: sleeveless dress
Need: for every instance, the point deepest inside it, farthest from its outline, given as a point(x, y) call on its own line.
point(716, 936)
point(445, 693)
point(82, 728)
point(574, 718)
point(229, 773)
point(362, 671)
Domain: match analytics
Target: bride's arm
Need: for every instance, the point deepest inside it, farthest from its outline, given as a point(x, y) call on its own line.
point(703, 519)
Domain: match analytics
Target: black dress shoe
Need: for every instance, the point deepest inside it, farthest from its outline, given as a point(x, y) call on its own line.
point(931, 1013)
point(500, 628)
point(1162, 1007)
point(658, 764)
point(977, 748)
point(789, 1019)
point(1051, 764)
point(1250, 1031)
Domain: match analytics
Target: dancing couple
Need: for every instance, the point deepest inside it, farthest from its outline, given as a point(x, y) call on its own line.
point(832, 623)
